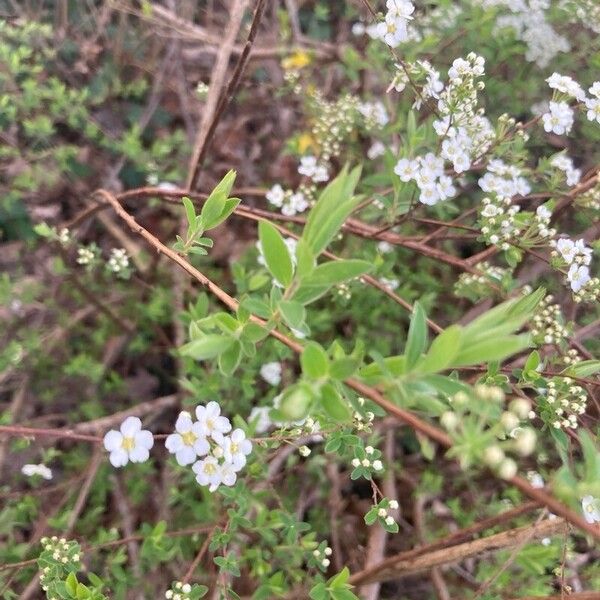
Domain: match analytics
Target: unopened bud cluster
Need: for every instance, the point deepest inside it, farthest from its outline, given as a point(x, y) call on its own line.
point(321, 556)
point(179, 591)
point(58, 558)
point(548, 323)
point(477, 285)
point(563, 403)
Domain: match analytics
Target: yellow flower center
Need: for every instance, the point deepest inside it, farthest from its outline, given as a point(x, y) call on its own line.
point(189, 438)
point(128, 443)
point(210, 424)
point(590, 508)
point(209, 468)
point(234, 448)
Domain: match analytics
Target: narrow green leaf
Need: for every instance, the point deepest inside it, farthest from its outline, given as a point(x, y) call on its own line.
point(491, 349)
point(276, 253)
point(230, 359)
point(334, 405)
point(442, 352)
point(417, 336)
point(190, 212)
point(205, 347)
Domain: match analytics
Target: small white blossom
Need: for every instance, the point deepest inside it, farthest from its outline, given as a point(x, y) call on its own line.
point(559, 119)
point(211, 422)
point(235, 449)
point(271, 373)
point(189, 440)
point(130, 443)
point(591, 509)
point(578, 276)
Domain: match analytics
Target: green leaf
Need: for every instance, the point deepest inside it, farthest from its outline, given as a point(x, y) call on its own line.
point(276, 253)
point(205, 347)
point(585, 368)
point(71, 584)
point(305, 259)
point(215, 204)
point(296, 401)
point(490, 349)
point(230, 358)
point(328, 274)
point(293, 313)
point(442, 352)
point(334, 404)
point(190, 212)
point(334, 206)
point(417, 336)
point(314, 361)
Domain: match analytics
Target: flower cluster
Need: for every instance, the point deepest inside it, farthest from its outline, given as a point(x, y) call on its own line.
point(547, 323)
point(374, 114)
point(311, 168)
point(321, 555)
point(565, 164)
point(590, 199)
point(118, 263)
point(394, 28)
point(289, 202)
point(529, 24)
point(482, 430)
point(559, 119)
point(362, 422)
point(40, 470)
point(366, 461)
point(562, 403)
point(185, 591)
point(221, 455)
point(58, 558)
point(381, 512)
point(577, 257)
point(477, 285)
point(86, 255)
point(428, 173)
point(504, 180)
point(497, 221)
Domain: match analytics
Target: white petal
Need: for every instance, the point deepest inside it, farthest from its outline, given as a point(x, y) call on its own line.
point(183, 423)
point(185, 455)
point(201, 447)
point(237, 435)
point(173, 443)
point(246, 447)
point(139, 454)
point(144, 439)
point(223, 424)
point(113, 440)
point(213, 409)
point(118, 458)
point(130, 426)
point(200, 412)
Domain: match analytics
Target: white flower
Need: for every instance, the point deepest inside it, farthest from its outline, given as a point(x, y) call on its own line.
point(41, 470)
point(260, 415)
point(429, 195)
point(566, 247)
point(559, 119)
point(235, 448)
point(189, 440)
point(118, 261)
point(211, 422)
point(591, 509)
point(208, 472)
point(578, 276)
point(131, 443)
point(385, 247)
point(271, 373)
point(392, 30)
point(406, 169)
point(593, 109)
point(543, 212)
point(445, 188)
point(276, 195)
point(228, 474)
point(595, 89)
point(376, 150)
point(565, 84)
point(358, 28)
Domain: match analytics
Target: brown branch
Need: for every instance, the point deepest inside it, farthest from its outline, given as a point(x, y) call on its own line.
point(397, 566)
